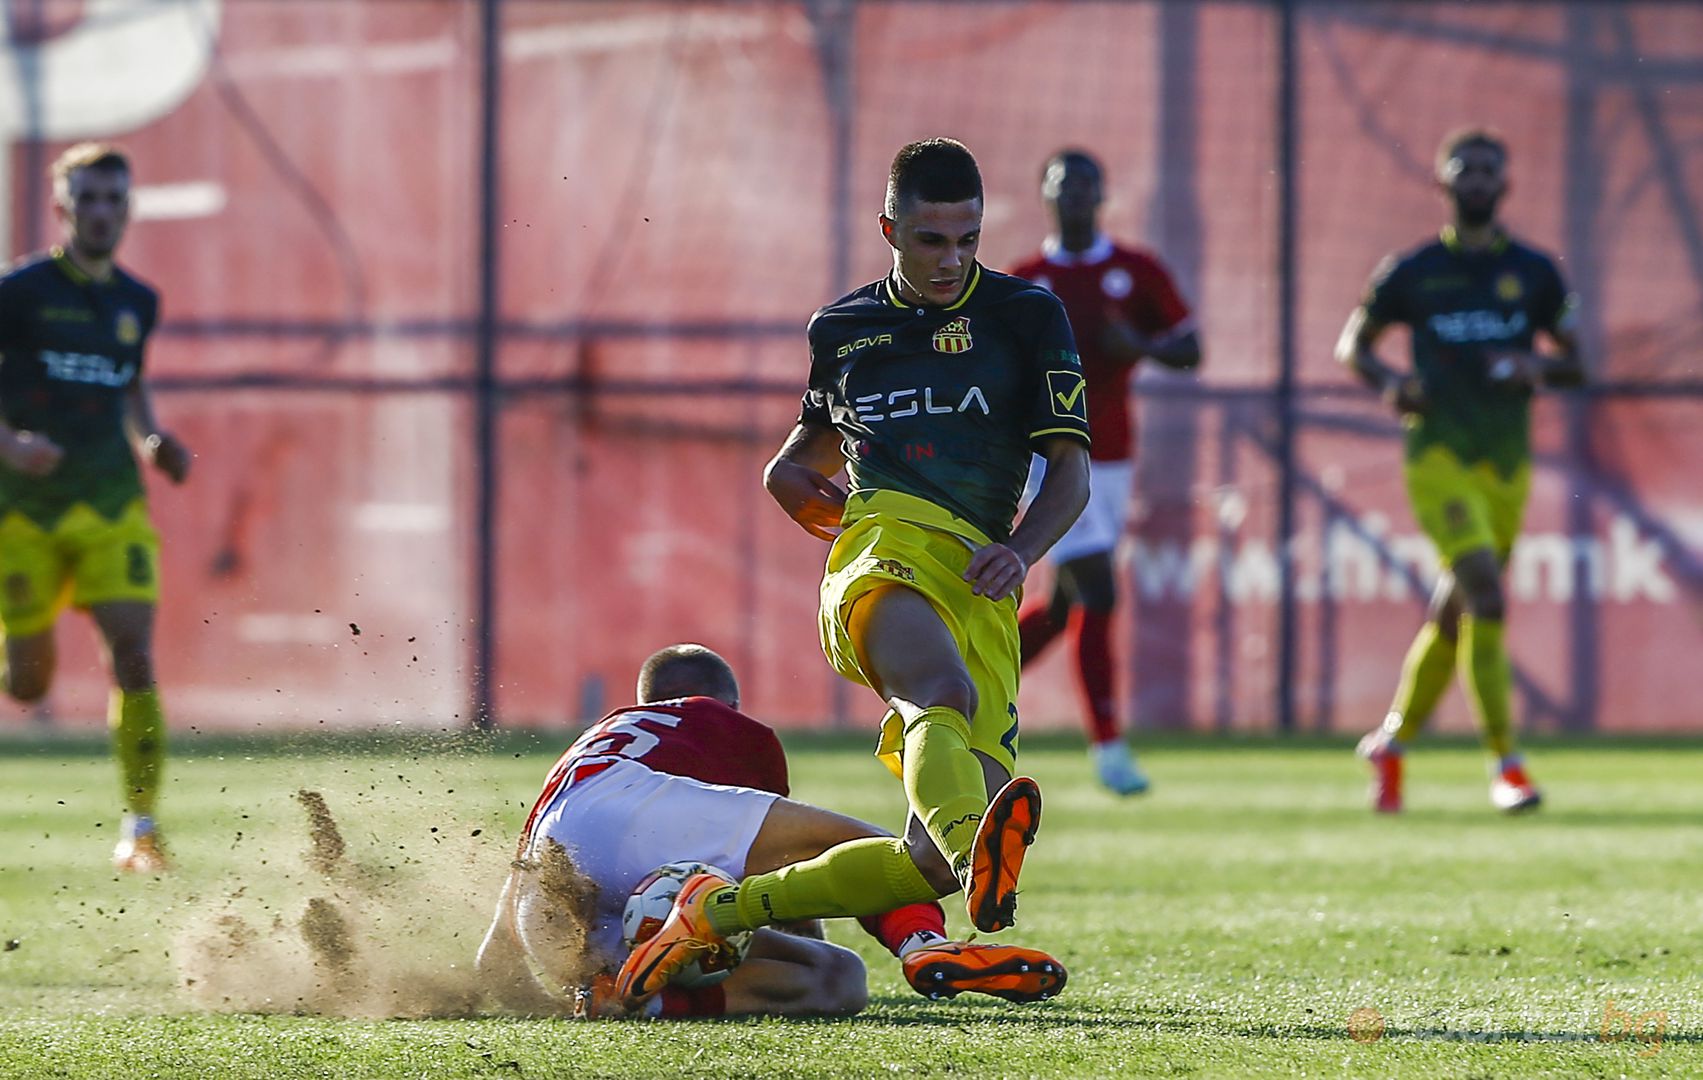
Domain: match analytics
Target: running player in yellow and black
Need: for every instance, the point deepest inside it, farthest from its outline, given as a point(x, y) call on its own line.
point(931, 387)
point(73, 519)
point(1474, 299)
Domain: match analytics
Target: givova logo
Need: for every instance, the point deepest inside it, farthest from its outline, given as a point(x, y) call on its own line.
point(863, 343)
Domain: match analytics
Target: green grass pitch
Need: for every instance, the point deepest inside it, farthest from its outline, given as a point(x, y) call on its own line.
point(1229, 924)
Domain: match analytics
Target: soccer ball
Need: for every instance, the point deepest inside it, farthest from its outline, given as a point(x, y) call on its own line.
point(648, 907)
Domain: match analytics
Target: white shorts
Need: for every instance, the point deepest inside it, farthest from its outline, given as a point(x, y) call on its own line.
point(1110, 486)
point(621, 824)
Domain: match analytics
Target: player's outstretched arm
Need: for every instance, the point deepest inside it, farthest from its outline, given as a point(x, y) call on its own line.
point(997, 570)
point(798, 478)
point(1355, 350)
point(158, 448)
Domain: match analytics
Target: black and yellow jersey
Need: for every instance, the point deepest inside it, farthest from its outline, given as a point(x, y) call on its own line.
point(70, 350)
point(946, 403)
point(1463, 307)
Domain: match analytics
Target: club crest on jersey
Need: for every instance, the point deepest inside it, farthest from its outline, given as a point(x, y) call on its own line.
point(895, 568)
point(954, 337)
point(1116, 283)
point(1508, 288)
point(127, 328)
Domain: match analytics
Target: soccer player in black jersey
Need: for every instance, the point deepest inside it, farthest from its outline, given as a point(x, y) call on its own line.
point(930, 387)
point(74, 417)
point(1475, 299)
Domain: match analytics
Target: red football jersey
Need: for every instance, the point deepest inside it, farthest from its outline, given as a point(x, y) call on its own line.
point(695, 737)
point(1097, 286)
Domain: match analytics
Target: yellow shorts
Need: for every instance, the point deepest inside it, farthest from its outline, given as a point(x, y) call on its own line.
point(85, 560)
point(1465, 507)
point(884, 545)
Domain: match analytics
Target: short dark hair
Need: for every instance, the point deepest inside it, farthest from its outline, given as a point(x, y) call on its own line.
point(100, 156)
point(1462, 138)
point(1072, 155)
point(687, 670)
point(933, 170)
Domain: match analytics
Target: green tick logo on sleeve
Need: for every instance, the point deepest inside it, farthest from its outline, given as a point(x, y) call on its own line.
point(1069, 394)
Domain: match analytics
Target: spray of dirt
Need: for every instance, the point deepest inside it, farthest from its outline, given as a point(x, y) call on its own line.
point(360, 939)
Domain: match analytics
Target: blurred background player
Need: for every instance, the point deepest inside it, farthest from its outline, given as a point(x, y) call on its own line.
point(1123, 308)
point(684, 775)
point(931, 387)
point(74, 417)
point(1474, 298)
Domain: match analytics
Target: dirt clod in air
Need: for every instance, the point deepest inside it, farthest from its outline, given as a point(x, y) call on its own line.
point(327, 934)
point(327, 848)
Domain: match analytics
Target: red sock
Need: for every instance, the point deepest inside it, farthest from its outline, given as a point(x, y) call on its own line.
point(893, 928)
point(1094, 663)
point(1035, 631)
point(680, 1003)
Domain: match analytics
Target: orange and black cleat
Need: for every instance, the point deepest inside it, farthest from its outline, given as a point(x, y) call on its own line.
point(1004, 971)
point(996, 857)
point(685, 936)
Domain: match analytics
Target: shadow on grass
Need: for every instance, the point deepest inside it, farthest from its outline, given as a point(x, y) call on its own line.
point(899, 1011)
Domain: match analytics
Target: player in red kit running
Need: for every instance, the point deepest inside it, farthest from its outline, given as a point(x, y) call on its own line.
point(685, 776)
point(1123, 308)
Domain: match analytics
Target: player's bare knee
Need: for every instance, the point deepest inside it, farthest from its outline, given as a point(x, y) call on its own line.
point(132, 663)
point(1484, 599)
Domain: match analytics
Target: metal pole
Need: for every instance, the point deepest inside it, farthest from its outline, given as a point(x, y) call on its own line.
point(32, 154)
point(835, 25)
point(1583, 204)
point(1288, 125)
point(482, 711)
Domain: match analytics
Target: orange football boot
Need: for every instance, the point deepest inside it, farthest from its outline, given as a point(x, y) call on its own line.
point(996, 854)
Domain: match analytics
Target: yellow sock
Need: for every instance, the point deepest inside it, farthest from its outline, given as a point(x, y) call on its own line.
point(139, 738)
point(944, 782)
point(859, 877)
point(1489, 679)
point(1425, 674)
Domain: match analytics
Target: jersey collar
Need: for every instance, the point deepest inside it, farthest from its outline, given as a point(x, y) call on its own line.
point(1452, 240)
point(70, 269)
point(896, 300)
point(1052, 249)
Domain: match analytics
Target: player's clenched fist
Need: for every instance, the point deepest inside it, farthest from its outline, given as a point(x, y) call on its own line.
point(808, 497)
point(30, 453)
point(168, 455)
